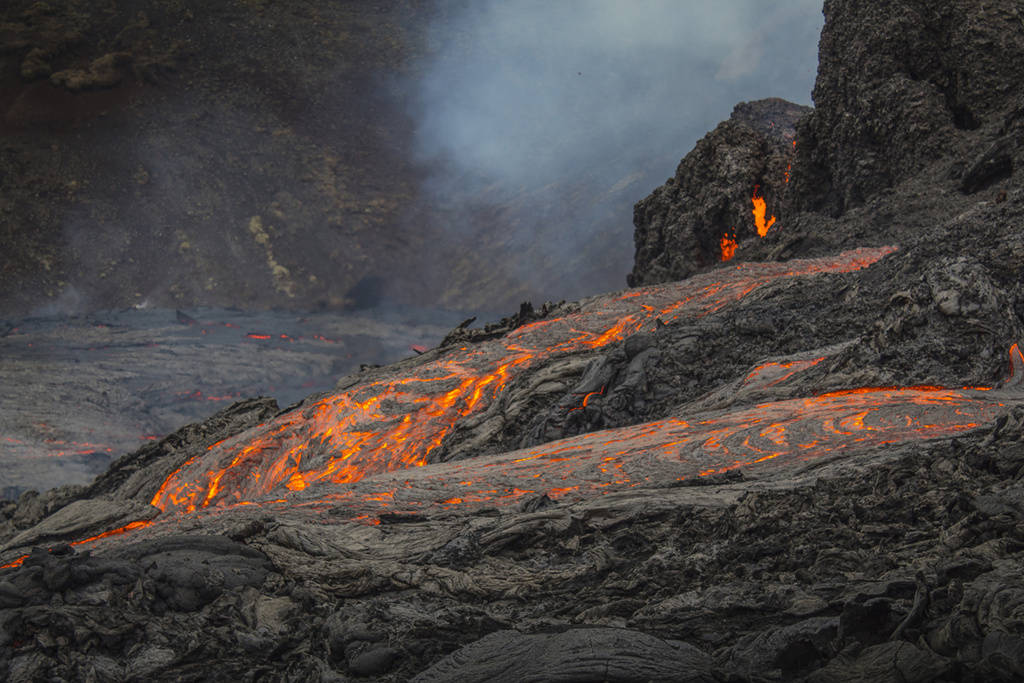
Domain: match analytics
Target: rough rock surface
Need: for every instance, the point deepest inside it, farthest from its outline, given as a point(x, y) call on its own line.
point(575, 655)
point(916, 122)
point(906, 87)
point(681, 224)
point(728, 476)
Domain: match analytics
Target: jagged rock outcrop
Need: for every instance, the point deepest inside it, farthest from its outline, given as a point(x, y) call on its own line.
point(902, 85)
point(681, 224)
point(915, 122)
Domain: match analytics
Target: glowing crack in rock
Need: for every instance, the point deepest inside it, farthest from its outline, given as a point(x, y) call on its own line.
point(728, 246)
point(759, 211)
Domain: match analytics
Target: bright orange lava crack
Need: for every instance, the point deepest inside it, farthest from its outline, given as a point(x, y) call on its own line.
point(759, 211)
point(131, 526)
point(728, 245)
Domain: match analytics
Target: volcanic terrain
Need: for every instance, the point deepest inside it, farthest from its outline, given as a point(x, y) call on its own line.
point(792, 451)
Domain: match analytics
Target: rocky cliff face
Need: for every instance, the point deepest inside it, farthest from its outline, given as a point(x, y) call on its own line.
point(901, 89)
point(681, 225)
point(785, 469)
point(137, 147)
point(254, 154)
point(914, 113)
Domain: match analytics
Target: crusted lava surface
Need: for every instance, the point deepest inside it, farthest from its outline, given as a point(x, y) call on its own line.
point(82, 390)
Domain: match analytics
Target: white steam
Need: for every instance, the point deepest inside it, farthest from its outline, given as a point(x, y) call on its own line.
point(523, 92)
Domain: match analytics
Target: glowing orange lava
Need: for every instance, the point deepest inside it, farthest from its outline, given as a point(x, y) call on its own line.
point(106, 534)
point(1016, 362)
point(728, 246)
point(771, 435)
point(773, 373)
point(398, 422)
point(759, 211)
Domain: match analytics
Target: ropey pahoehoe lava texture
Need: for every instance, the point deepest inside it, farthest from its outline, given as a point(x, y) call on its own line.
point(800, 464)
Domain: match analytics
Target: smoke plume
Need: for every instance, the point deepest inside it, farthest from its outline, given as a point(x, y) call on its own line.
point(593, 97)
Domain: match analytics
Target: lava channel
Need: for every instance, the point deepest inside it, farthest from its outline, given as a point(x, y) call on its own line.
point(400, 421)
point(762, 439)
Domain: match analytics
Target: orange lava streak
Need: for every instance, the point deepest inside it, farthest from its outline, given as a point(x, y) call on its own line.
point(759, 211)
point(728, 246)
point(762, 373)
point(14, 563)
point(586, 399)
point(131, 526)
point(875, 390)
point(1016, 360)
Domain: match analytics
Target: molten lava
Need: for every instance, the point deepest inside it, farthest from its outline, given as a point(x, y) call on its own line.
point(399, 422)
point(772, 434)
point(760, 210)
point(728, 245)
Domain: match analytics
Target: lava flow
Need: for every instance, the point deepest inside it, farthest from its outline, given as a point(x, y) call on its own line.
point(770, 435)
point(401, 421)
point(372, 449)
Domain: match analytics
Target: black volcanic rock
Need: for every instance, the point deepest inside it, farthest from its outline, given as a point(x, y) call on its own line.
point(900, 86)
point(680, 225)
point(913, 109)
point(605, 654)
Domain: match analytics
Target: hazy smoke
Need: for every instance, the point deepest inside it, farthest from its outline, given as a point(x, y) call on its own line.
point(528, 91)
point(521, 94)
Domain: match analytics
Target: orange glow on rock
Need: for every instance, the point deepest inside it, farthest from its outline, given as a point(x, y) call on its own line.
point(759, 211)
point(1016, 363)
point(728, 246)
point(131, 526)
